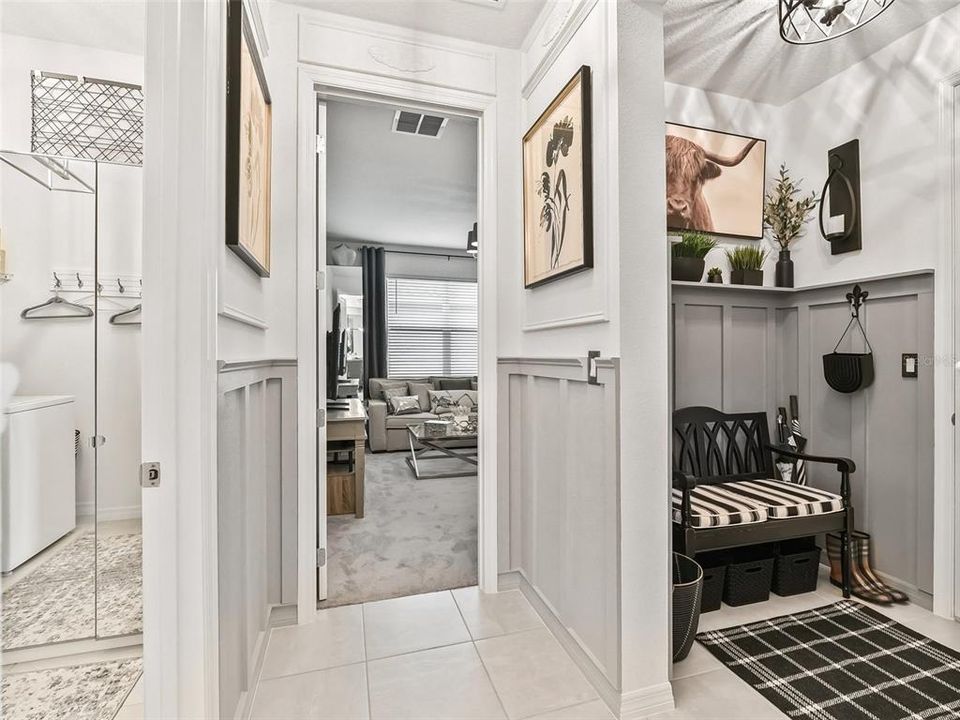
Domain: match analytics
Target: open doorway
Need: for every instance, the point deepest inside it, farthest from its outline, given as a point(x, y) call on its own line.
point(399, 505)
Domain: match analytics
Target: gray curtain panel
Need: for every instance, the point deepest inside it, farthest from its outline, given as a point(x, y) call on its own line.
point(374, 314)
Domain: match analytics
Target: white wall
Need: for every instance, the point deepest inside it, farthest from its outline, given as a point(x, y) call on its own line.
point(579, 312)
point(45, 230)
point(890, 101)
point(269, 305)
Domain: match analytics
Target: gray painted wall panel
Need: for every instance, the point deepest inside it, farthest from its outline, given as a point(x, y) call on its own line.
point(699, 357)
point(746, 378)
point(886, 429)
point(256, 477)
point(563, 489)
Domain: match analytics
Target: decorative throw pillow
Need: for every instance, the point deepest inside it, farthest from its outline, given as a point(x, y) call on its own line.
point(380, 385)
point(390, 393)
point(456, 402)
point(454, 383)
point(422, 391)
point(404, 404)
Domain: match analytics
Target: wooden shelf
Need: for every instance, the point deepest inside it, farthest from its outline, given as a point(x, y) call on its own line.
point(717, 287)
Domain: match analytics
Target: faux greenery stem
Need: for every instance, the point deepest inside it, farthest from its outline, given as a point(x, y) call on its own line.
point(784, 213)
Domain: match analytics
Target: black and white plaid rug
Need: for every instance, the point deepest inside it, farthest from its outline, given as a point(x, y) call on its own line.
point(842, 662)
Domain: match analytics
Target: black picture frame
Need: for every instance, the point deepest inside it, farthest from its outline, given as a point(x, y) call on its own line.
point(240, 33)
point(581, 77)
point(762, 183)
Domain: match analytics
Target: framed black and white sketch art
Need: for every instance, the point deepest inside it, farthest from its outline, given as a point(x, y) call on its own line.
point(249, 145)
point(557, 187)
point(715, 182)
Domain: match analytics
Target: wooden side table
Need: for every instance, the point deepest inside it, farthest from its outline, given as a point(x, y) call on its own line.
point(345, 488)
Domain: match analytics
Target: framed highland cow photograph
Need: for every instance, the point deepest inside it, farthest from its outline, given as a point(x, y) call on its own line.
point(249, 145)
point(557, 187)
point(715, 182)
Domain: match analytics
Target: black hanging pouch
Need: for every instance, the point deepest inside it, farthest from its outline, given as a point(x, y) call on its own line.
point(850, 372)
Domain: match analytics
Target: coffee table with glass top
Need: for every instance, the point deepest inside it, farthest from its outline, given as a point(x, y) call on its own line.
point(440, 441)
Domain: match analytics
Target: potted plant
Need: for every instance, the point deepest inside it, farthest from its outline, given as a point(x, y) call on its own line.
point(715, 275)
point(746, 265)
point(785, 214)
point(688, 256)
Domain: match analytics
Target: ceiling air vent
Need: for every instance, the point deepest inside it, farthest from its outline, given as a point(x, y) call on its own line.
point(414, 123)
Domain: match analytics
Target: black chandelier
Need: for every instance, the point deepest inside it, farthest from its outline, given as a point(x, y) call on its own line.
point(805, 22)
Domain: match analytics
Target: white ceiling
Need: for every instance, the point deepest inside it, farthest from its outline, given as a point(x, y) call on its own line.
point(107, 24)
point(496, 22)
point(394, 189)
point(734, 46)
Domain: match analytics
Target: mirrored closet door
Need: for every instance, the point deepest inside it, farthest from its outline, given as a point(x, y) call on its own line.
point(119, 549)
point(48, 355)
point(70, 293)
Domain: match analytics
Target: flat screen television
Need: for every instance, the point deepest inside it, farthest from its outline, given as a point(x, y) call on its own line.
point(335, 354)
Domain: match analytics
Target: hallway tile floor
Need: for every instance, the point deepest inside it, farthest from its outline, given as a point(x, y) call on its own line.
point(458, 654)
point(462, 654)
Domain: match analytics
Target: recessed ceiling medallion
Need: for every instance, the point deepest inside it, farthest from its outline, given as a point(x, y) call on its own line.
point(805, 22)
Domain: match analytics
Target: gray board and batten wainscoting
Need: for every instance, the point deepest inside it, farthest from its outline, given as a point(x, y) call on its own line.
point(742, 349)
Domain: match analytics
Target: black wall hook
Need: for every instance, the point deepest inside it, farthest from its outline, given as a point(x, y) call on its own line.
point(857, 297)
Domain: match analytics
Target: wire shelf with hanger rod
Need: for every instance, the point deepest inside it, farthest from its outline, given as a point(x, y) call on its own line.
point(56, 308)
point(57, 174)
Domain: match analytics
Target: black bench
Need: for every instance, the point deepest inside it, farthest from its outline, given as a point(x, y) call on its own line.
point(725, 493)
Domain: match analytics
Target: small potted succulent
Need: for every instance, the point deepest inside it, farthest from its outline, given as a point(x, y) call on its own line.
point(688, 256)
point(785, 213)
point(746, 265)
point(715, 275)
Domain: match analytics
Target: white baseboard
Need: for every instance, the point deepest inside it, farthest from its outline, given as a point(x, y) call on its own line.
point(276, 616)
point(86, 510)
point(647, 702)
point(628, 706)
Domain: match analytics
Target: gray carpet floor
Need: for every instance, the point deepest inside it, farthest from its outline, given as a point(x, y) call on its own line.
point(416, 536)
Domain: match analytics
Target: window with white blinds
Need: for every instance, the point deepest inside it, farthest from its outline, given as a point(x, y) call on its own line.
point(431, 327)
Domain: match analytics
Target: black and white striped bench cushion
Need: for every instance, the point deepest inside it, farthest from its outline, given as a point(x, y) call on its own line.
point(718, 506)
point(752, 501)
point(785, 500)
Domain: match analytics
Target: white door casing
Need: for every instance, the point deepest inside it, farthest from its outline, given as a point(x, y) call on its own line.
point(182, 231)
point(946, 547)
point(321, 154)
point(332, 82)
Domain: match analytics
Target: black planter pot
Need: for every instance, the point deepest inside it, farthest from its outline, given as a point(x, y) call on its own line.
point(785, 270)
point(746, 277)
point(687, 269)
point(716, 280)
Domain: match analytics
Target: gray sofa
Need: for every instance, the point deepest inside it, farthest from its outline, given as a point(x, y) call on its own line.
point(388, 432)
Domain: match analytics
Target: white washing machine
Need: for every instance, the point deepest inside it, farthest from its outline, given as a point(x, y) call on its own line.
point(38, 483)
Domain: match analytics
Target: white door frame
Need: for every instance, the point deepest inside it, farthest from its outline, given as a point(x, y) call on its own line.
point(946, 551)
point(183, 229)
point(334, 82)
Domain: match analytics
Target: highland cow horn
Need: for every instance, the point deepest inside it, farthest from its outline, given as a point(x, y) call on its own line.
point(731, 161)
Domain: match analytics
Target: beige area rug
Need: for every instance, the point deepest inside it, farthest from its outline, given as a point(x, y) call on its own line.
point(416, 536)
point(60, 601)
point(94, 691)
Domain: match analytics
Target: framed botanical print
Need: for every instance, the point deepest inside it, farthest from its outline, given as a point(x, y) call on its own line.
point(557, 187)
point(715, 182)
point(248, 151)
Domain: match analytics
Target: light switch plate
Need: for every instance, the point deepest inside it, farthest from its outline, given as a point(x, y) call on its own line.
point(909, 365)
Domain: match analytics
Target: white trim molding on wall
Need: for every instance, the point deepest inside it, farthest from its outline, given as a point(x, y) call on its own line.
point(946, 546)
point(333, 61)
point(545, 48)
